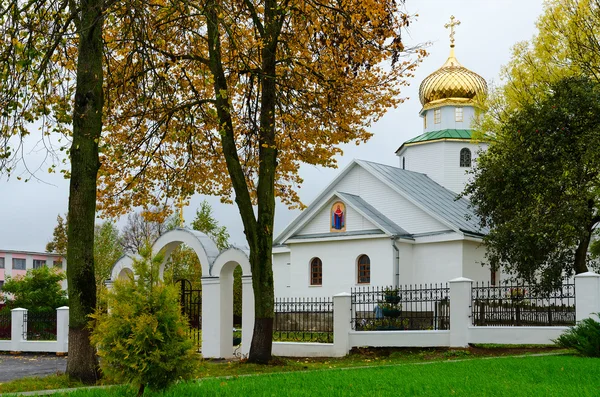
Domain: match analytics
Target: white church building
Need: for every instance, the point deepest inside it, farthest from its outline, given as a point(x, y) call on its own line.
point(380, 225)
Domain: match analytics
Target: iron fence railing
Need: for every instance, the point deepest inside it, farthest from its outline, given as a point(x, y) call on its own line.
point(39, 326)
point(5, 325)
point(407, 307)
point(513, 303)
point(303, 320)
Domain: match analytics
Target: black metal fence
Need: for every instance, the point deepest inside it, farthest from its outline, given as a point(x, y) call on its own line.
point(190, 300)
point(303, 320)
point(40, 326)
point(408, 307)
point(516, 304)
point(5, 325)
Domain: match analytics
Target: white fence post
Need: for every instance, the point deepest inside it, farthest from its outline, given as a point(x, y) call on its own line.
point(341, 323)
point(211, 318)
point(247, 314)
point(587, 295)
point(18, 328)
point(460, 303)
point(62, 330)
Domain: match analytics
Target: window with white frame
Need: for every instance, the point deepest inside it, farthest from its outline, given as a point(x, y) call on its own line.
point(437, 116)
point(458, 114)
point(364, 269)
point(18, 264)
point(37, 263)
point(425, 121)
point(316, 272)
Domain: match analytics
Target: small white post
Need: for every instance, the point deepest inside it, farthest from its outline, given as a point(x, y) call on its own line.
point(342, 318)
point(62, 330)
point(460, 303)
point(211, 318)
point(587, 295)
point(247, 314)
point(18, 328)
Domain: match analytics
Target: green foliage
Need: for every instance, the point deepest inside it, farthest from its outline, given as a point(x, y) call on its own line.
point(107, 250)
point(584, 337)
point(143, 339)
point(207, 224)
point(38, 291)
point(537, 186)
point(59, 237)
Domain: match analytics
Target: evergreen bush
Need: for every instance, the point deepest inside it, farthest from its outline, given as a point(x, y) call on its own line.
point(584, 337)
point(142, 339)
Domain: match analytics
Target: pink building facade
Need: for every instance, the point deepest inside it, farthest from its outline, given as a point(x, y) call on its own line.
point(16, 263)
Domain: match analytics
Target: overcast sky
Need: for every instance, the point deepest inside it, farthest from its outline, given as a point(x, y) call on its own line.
point(488, 30)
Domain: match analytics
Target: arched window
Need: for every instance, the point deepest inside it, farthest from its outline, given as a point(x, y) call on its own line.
point(364, 269)
point(316, 272)
point(465, 157)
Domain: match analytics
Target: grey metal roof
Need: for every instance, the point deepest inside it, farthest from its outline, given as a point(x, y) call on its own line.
point(373, 215)
point(431, 196)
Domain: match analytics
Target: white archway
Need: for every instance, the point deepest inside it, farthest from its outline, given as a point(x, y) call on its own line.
point(217, 288)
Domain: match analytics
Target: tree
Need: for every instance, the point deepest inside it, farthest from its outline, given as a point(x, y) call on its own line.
point(230, 98)
point(143, 229)
point(143, 339)
point(538, 188)
point(51, 69)
point(205, 222)
point(107, 251)
point(108, 247)
point(566, 45)
point(59, 237)
point(39, 291)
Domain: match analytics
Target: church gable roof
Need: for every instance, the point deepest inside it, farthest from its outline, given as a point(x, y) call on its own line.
point(361, 217)
point(430, 196)
point(435, 200)
point(439, 135)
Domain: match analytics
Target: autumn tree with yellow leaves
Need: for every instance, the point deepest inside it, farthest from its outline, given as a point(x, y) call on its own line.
point(230, 97)
point(51, 79)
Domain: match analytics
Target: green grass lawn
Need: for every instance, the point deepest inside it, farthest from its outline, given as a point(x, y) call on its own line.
point(523, 376)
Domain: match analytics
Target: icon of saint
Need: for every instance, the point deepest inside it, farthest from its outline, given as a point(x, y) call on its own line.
point(337, 219)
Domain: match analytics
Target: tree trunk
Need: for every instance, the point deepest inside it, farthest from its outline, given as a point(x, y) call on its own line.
point(82, 363)
point(581, 253)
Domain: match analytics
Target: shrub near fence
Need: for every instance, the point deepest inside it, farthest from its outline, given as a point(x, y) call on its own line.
point(303, 320)
point(408, 307)
point(516, 304)
point(40, 326)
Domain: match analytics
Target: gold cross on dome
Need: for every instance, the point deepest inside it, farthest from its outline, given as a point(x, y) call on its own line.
point(451, 25)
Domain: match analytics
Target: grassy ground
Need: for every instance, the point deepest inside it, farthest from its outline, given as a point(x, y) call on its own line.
point(510, 376)
point(357, 358)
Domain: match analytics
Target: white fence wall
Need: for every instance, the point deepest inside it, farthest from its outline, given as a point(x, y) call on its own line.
point(19, 342)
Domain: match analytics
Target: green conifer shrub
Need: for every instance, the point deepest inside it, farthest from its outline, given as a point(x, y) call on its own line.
point(142, 339)
point(584, 337)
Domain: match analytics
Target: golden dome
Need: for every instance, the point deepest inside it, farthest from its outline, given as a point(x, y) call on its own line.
point(451, 84)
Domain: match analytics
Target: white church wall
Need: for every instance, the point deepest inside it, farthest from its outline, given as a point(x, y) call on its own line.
point(405, 263)
point(448, 119)
point(435, 262)
point(281, 273)
point(473, 256)
point(339, 260)
point(456, 177)
point(426, 158)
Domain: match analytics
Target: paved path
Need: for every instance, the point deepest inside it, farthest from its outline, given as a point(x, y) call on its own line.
point(25, 365)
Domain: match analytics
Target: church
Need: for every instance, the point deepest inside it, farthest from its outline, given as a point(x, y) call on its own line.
point(379, 225)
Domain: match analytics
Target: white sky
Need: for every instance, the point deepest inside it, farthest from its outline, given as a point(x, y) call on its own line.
point(488, 30)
